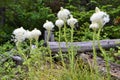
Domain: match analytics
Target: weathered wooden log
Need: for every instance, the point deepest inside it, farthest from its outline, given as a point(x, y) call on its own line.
point(17, 59)
point(51, 37)
point(84, 46)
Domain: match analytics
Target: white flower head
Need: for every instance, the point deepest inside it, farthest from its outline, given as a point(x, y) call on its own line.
point(28, 34)
point(59, 23)
point(63, 14)
point(99, 17)
point(19, 34)
point(48, 25)
point(72, 21)
point(94, 26)
point(35, 34)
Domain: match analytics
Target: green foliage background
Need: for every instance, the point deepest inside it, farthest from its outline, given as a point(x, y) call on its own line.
point(34, 13)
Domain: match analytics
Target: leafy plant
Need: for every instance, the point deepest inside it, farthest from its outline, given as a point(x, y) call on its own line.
point(28, 14)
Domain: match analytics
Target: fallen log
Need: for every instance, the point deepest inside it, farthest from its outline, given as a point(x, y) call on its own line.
point(84, 46)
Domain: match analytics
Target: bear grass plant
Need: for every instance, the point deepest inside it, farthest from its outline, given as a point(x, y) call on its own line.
point(37, 66)
point(99, 19)
point(38, 62)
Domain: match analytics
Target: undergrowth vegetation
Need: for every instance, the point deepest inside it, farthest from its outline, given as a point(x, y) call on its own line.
point(26, 56)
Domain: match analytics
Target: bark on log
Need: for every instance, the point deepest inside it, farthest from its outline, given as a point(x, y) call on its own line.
point(84, 46)
point(51, 38)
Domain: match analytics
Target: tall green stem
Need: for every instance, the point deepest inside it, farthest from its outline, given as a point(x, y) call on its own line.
point(65, 37)
point(48, 36)
point(94, 50)
point(36, 42)
point(94, 53)
point(72, 31)
point(65, 32)
point(72, 51)
point(59, 34)
point(30, 45)
point(60, 48)
point(104, 54)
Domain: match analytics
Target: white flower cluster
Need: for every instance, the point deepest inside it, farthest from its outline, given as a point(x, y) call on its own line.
point(63, 14)
point(72, 21)
point(63, 17)
point(59, 23)
point(99, 19)
point(48, 25)
point(20, 34)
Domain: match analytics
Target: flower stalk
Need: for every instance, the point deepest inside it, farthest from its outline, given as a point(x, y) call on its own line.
point(104, 55)
point(48, 25)
point(65, 37)
point(99, 19)
point(71, 22)
point(94, 53)
point(48, 37)
point(60, 51)
point(72, 49)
